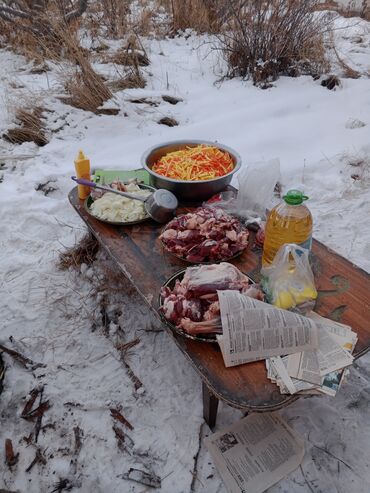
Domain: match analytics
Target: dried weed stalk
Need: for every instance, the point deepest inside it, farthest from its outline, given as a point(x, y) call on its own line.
point(351, 8)
point(200, 15)
point(133, 56)
point(265, 39)
point(85, 87)
point(30, 127)
point(84, 252)
point(114, 16)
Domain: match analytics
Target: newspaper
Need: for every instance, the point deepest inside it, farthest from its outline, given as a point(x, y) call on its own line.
point(255, 453)
point(253, 330)
point(330, 356)
point(298, 373)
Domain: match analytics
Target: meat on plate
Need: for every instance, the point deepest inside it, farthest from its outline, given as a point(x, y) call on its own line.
point(193, 306)
point(206, 235)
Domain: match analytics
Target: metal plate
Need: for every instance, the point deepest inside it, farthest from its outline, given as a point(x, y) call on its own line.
point(170, 283)
point(199, 263)
point(90, 200)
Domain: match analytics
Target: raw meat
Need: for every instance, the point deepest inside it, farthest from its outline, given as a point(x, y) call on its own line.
point(206, 235)
point(193, 305)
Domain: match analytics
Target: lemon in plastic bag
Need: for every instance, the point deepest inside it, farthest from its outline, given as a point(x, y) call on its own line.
point(288, 282)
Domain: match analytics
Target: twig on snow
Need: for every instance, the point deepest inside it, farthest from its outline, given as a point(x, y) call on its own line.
point(306, 480)
point(63, 484)
point(128, 345)
point(196, 456)
point(39, 459)
point(138, 384)
point(142, 477)
point(10, 458)
point(335, 457)
point(23, 360)
point(118, 416)
point(124, 441)
point(78, 442)
point(29, 404)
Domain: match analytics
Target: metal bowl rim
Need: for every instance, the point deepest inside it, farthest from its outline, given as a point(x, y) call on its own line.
point(223, 147)
point(118, 223)
point(211, 339)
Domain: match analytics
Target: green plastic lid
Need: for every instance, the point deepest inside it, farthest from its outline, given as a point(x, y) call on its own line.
point(294, 197)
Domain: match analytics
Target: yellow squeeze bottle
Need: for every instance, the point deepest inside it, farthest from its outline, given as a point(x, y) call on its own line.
point(288, 222)
point(82, 165)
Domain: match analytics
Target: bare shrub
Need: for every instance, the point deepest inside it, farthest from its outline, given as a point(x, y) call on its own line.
point(264, 39)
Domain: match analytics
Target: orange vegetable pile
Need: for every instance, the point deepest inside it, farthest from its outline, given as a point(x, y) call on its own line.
point(194, 163)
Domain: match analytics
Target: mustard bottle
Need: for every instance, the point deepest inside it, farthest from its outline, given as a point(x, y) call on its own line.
point(82, 165)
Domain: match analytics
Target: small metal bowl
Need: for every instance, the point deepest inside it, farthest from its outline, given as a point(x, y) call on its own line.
point(170, 283)
point(186, 190)
point(90, 200)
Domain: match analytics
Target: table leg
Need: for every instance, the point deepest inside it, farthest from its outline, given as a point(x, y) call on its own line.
point(210, 405)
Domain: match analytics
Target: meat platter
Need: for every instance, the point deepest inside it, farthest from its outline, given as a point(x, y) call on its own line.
point(205, 236)
point(188, 301)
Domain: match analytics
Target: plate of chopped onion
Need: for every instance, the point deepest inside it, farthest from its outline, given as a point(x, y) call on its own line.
point(116, 209)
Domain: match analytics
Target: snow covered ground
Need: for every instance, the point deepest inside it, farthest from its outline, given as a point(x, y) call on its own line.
point(322, 140)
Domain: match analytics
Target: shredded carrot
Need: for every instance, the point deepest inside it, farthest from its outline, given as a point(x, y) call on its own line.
point(194, 163)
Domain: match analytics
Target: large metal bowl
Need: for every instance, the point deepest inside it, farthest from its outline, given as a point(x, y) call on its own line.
point(185, 190)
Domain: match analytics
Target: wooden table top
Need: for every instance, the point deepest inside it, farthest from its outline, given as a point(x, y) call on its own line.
point(344, 295)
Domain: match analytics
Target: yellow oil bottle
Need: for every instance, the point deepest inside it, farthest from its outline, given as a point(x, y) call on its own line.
point(288, 222)
point(82, 165)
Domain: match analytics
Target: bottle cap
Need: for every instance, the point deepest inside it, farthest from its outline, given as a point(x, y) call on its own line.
point(81, 156)
point(294, 197)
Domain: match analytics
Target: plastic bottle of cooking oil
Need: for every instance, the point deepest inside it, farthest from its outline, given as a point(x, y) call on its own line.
point(288, 222)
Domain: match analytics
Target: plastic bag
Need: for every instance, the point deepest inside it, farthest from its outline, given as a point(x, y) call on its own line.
point(288, 282)
point(255, 191)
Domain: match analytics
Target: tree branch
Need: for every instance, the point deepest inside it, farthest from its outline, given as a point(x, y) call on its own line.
point(78, 11)
point(13, 12)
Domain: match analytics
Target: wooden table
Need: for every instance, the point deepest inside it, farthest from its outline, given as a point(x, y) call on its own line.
point(344, 294)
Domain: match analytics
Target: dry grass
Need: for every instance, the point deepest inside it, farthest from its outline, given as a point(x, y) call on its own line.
point(127, 56)
point(349, 72)
point(85, 88)
point(351, 10)
point(131, 80)
point(132, 56)
point(83, 253)
point(264, 39)
point(106, 19)
point(30, 127)
point(200, 15)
